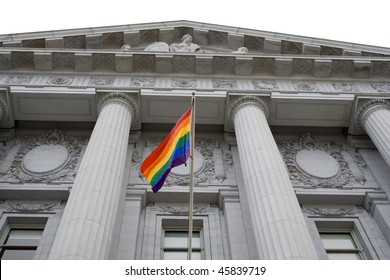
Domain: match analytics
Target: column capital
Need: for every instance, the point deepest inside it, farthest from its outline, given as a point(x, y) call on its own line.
point(363, 108)
point(129, 99)
point(237, 101)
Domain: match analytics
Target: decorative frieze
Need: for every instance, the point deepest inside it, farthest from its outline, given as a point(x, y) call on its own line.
point(305, 86)
point(381, 87)
point(331, 212)
point(184, 83)
point(60, 80)
point(201, 84)
point(102, 81)
point(265, 85)
point(225, 84)
point(18, 80)
point(23, 207)
point(180, 211)
point(142, 82)
point(346, 87)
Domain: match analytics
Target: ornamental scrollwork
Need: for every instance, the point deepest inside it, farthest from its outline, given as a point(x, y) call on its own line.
point(350, 171)
point(66, 174)
point(30, 207)
point(63, 80)
point(331, 212)
point(181, 211)
point(265, 85)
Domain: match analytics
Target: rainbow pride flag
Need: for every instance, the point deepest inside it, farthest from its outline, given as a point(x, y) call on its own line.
point(172, 152)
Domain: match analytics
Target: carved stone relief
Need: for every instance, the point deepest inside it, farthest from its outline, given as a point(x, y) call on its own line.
point(63, 80)
point(102, 81)
point(142, 82)
point(225, 84)
point(212, 163)
point(331, 212)
point(181, 83)
point(265, 85)
point(18, 80)
point(346, 87)
point(62, 153)
point(381, 87)
point(181, 211)
point(312, 163)
point(15, 206)
point(305, 86)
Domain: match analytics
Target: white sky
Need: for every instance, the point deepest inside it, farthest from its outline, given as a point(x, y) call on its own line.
point(355, 21)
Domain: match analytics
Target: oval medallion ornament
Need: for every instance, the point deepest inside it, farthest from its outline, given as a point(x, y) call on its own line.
point(184, 170)
point(317, 163)
point(45, 159)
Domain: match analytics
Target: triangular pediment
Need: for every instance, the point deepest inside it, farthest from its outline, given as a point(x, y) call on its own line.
point(210, 37)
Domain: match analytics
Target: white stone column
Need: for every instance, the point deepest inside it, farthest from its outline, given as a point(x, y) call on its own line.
point(279, 226)
point(86, 227)
point(375, 119)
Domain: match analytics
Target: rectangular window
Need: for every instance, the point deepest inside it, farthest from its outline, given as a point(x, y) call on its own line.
point(20, 243)
point(175, 245)
point(341, 246)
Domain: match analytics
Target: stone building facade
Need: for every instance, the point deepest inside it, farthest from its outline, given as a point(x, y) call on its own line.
point(292, 144)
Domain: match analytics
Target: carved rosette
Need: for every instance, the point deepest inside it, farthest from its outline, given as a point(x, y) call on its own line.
point(236, 102)
point(349, 171)
point(129, 99)
point(64, 174)
point(364, 107)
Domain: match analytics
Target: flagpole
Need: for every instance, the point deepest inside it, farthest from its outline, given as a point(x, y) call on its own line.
point(192, 163)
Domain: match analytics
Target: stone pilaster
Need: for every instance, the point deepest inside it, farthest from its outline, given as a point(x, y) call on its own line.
point(279, 226)
point(374, 118)
point(6, 115)
point(86, 227)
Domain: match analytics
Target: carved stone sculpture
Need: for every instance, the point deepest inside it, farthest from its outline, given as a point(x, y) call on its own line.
point(157, 47)
point(185, 45)
point(241, 50)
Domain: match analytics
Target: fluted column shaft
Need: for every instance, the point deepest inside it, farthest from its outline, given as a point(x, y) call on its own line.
point(87, 224)
point(376, 122)
point(279, 227)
